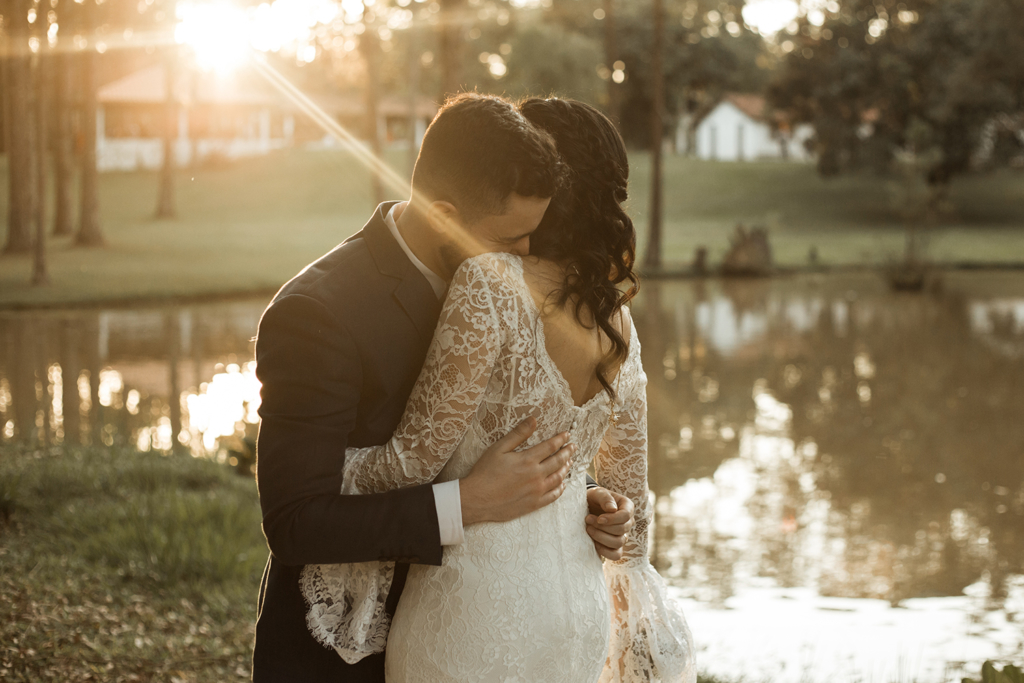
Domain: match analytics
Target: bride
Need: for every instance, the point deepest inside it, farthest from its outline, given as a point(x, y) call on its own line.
point(544, 335)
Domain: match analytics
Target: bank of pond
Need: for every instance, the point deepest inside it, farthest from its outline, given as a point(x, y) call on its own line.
point(838, 469)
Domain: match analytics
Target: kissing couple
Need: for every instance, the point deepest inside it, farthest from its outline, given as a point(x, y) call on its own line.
point(434, 392)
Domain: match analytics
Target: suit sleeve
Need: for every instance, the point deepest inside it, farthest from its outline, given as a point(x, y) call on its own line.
point(311, 379)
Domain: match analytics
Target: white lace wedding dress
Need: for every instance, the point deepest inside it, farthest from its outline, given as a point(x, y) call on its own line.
point(527, 600)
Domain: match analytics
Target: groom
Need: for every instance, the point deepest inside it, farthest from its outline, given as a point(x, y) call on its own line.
point(338, 351)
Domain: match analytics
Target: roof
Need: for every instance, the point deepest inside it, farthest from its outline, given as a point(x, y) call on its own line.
point(354, 104)
point(751, 105)
point(149, 86)
point(242, 87)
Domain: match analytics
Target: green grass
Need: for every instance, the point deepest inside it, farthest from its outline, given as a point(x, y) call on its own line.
point(125, 566)
point(849, 220)
point(250, 226)
point(121, 566)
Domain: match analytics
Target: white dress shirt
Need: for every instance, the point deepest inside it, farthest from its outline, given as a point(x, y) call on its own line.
point(447, 497)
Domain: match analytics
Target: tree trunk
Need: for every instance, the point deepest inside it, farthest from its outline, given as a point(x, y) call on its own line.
point(414, 95)
point(165, 206)
point(41, 65)
point(6, 102)
point(369, 43)
point(450, 47)
point(5, 95)
point(653, 257)
point(611, 55)
point(63, 146)
point(89, 233)
point(22, 153)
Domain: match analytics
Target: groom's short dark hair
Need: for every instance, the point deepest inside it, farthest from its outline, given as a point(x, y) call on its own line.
point(479, 150)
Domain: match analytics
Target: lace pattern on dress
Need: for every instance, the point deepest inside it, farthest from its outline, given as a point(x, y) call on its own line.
point(650, 639)
point(486, 370)
point(346, 601)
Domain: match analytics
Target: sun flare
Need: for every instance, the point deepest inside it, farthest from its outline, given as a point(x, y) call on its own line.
point(223, 35)
point(218, 33)
point(770, 16)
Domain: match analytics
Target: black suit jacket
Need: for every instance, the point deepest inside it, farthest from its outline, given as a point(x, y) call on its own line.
point(338, 351)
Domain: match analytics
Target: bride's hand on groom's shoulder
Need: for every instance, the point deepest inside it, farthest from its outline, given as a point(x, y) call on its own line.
point(609, 521)
point(506, 484)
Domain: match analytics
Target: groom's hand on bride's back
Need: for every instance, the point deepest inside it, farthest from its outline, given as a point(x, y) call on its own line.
point(506, 484)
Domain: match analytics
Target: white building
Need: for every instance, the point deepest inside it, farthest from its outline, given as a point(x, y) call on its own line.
point(228, 117)
point(737, 129)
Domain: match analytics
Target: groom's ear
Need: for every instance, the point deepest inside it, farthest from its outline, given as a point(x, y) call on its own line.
point(445, 220)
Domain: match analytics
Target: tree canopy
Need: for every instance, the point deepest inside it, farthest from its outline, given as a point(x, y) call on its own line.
point(939, 83)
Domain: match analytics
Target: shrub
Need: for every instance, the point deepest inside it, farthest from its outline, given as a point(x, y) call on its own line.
point(989, 674)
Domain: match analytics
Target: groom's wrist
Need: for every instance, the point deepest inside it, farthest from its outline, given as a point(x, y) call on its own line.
point(448, 502)
point(474, 507)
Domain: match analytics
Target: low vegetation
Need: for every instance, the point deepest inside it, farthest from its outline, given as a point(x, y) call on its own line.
point(249, 226)
point(990, 674)
point(125, 566)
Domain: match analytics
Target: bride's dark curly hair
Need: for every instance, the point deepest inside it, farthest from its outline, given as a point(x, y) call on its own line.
point(585, 227)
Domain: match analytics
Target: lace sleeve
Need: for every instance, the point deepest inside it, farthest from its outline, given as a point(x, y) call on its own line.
point(448, 392)
point(347, 601)
point(650, 640)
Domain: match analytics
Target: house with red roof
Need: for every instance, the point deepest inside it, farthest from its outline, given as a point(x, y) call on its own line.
point(740, 128)
point(230, 116)
point(218, 116)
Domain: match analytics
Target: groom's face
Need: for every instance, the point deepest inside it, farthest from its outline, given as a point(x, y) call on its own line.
point(507, 232)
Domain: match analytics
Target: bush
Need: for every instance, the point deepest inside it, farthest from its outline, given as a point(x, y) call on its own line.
point(167, 519)
point(989, 674)
point(125, 566)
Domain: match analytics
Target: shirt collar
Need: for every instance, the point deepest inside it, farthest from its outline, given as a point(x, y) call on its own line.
point(436, 282)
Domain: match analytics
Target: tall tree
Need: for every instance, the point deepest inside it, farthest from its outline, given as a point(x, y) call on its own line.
point(611, 57)
point(450, 46)
point(708, 51)
point(917, 81)
point(5, 96)
point(63, 144)
point(22, 153)
point(89, 232)
point(369, 45)
point(652, 258)
point(40, 67)
point(165, 206)
point(413, 56)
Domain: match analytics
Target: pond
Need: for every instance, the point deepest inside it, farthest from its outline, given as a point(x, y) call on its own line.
point(838, 469)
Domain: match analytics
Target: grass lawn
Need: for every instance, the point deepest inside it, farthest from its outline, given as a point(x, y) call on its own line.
point(123, 566)
point(252, 225)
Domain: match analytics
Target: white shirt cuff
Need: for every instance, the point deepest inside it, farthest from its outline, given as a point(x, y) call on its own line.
point(448, 501)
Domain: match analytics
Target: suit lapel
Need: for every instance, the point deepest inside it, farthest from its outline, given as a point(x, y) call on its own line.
point(412, 291)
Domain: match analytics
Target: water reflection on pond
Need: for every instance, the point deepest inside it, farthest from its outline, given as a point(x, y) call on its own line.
point(838, 471)
point(166, 379)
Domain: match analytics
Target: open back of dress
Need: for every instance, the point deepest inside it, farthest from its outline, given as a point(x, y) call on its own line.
point(526, 600)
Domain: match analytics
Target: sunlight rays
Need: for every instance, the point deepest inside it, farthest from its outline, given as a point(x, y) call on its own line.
point(395, 182)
